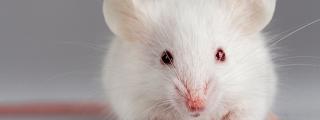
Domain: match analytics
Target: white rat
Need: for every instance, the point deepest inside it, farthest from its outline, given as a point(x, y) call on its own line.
point(189, 59)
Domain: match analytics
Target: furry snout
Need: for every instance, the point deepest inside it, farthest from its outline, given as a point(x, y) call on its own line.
point(193, 100)
point(195, 104)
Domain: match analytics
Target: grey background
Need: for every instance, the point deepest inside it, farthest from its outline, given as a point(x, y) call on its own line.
point(51, 50)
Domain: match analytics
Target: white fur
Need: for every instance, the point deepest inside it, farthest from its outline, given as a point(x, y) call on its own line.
point(139, 87)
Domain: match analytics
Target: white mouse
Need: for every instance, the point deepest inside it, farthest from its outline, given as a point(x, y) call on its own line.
point(189, 59)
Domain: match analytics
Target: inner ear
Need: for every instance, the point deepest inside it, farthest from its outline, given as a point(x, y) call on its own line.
point(250, 16)
point(124, 19)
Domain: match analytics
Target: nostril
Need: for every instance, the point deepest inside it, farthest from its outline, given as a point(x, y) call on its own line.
point(196, 108)
point(196, 105)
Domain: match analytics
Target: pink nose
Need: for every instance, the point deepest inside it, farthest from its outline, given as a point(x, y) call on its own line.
point(195, 105)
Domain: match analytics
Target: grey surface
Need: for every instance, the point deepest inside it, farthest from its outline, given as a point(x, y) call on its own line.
point(46, 51)
point(53, 118)
point(51, 50)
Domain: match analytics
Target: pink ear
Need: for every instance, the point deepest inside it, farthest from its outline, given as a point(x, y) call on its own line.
point(122, 18)
point(251, 16)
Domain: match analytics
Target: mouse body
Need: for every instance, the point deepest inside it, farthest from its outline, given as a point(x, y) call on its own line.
point(189, 59)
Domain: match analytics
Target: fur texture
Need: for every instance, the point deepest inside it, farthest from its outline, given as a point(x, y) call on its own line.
point(139, 87)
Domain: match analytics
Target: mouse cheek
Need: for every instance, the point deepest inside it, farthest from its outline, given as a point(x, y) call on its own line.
point(215, 98)
point(177, 100)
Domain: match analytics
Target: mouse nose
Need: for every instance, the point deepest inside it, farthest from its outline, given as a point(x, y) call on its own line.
point(195, 105)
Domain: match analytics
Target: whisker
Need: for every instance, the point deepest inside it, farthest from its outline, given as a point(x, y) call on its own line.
point(299, 65)
point(294, 57)
point(89, 45)
point(295, 31)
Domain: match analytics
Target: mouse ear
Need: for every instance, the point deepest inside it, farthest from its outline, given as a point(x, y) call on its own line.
point(122, 17)
point(251, 16)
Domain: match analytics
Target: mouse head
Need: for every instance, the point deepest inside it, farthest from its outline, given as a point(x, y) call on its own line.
point(200, 50)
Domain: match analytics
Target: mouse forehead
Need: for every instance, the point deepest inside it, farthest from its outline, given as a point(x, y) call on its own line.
point(191, 30)
point(192, 45)
point(191, 23)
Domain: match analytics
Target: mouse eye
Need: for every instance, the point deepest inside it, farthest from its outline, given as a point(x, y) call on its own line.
point(220, 55)
point(166, 58)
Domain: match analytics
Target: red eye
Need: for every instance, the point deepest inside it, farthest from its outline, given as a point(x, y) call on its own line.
point(166, 58)
point(220, 55)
